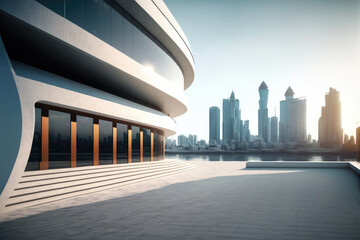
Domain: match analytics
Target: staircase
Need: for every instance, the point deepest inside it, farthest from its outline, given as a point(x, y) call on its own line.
point(44, 186)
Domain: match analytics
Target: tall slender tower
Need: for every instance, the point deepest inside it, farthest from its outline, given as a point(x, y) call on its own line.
point(231, 120)
point(263, 120)
point(330, 131)
point(214, 125)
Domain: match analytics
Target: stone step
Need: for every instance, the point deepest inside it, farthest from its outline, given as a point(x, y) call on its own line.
point(73, 182)
point(56, 173)
point(34, 195)
point(75, 176)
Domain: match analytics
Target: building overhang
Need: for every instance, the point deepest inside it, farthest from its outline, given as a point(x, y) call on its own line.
point(61, 47)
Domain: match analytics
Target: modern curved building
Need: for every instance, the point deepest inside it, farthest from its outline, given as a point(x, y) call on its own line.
point(86, 83)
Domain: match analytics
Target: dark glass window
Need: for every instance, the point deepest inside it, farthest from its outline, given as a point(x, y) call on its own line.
point(122, 143)
point(109, 22)
point(105, 142)
point(105, 22)
point(156, 147)
point(117, 24)
point(74, 11)
point(146, 145)
point(138, 40)
point(90, 16)
point(128, 38)
point(35, 154)
point(54, 5)
point(135, 144)
point(59, 139)
point(84, 141)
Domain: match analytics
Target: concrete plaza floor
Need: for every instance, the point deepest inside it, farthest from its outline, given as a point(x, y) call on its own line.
point(217, 200)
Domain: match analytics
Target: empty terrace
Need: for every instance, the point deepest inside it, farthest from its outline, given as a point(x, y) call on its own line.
point(216, 200)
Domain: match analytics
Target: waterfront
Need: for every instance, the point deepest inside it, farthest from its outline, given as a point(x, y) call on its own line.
point(263, 157)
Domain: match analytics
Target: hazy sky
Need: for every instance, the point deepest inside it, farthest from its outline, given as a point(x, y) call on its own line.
point(310, 45)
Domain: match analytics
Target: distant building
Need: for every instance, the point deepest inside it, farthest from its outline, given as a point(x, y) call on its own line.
point(246, 131)
point(169, 143)
point(231, 120)
point(214, 125)
point(309, 139)
point(191, 140)
point(330, 131)
point(346, 138)
point(292, 124)
point(202, 143)
point(182, 140)
point(195, 140)
point(263, 120)
point(274, 129)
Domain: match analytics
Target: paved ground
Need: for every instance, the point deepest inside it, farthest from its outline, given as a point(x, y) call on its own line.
point(217, 200)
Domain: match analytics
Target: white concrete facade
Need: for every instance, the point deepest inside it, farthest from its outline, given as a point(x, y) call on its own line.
point(151, 100)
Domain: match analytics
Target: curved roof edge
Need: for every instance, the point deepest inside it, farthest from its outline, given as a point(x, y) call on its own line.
point(110, 63)
point(157, 19)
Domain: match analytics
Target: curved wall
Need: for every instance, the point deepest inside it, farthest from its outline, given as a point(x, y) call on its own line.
point(110, 23)
point(155, 17)
point(90, 56)
point(82, 69)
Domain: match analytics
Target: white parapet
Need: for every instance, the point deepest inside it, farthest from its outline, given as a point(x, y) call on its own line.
point(355, 166)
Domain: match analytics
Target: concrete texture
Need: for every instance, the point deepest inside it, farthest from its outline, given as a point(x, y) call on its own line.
point(217, 200)
point(297, 164)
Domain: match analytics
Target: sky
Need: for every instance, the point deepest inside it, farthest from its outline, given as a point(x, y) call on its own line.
point(310, 45)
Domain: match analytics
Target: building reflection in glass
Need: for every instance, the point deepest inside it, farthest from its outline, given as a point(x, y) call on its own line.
point(59, 139)
point(84, 141)
point(105, 142)
point(135, 144)
point(146, 145)
point(122, 143)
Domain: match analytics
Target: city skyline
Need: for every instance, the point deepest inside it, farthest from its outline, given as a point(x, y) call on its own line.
point(308, 45)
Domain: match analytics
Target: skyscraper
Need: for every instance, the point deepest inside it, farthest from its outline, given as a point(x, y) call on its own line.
point(214, 125)
point(292, 124)
point(274, 129)
point(263, 120)
point(231, 120)
point(191, 140)
point(330, 131)
point(246, 131)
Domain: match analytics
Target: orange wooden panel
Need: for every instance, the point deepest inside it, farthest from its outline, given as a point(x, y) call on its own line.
point(141, 145)
point(152, 146)
point(44, 164)
point(163, 137)
point(129, 146)
point(114, 145)
point(96, 143)
point(73, 144)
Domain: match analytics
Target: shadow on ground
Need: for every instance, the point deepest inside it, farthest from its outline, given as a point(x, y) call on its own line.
point(307, 204)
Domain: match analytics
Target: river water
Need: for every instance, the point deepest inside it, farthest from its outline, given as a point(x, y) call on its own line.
point(263, 157)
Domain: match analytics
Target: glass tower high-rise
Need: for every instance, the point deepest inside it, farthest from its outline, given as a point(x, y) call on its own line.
point(214, 125)
point(263, 120)
point(274, 129)
point(231, 120)
point(330, 131)
point(292, 124)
